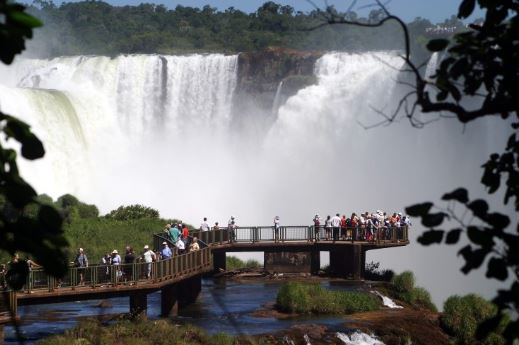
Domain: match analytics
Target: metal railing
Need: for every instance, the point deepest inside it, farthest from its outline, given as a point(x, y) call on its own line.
point(254, 234)
point(137, 273)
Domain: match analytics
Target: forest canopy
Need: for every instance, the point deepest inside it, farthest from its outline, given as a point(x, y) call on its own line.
point(96, 27)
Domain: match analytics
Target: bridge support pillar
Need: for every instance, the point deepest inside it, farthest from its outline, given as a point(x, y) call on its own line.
point(349, 262)
point(219, 261)
point(169, 301)
point(189, 289)
point(315, 261)
point(138, 305)
point(1, 334)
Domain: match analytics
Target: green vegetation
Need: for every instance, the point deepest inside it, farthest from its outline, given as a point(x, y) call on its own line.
point(96, 27)
point(160, 332)
point(374, 272)
point(294, 297)
point(131, 225)
point(462, 316)
point(133, 212)
point(403, 288)
point(234, 263)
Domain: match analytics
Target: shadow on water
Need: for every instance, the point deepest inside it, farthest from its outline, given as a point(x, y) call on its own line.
point(226, 303)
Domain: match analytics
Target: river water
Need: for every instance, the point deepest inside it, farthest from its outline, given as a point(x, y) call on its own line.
point(223, 306)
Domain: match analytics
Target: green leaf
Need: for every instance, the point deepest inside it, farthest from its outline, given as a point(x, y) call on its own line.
point(25, 19)
point(460, 195)
point(430, 237)
point(453, 236)
point(466, 8)
point(479, 208)
point(480, 237)
point(498, 220)
point(17, 274)
point(437, 45)
point(50, 219)
point(433, 219)
point(497, 269)
point(419, 210)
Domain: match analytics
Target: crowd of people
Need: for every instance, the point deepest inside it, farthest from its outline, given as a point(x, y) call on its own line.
point(360, 227)
point(363, 227)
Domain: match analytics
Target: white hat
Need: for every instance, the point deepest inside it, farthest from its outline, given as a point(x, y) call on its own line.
point(80, 249)
point(115, 251)
point(146, 247)
point(164, 242)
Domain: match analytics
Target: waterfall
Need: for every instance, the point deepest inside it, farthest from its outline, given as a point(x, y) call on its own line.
point(277, 99)
point(160, 131)
point(432, 64)
point(92, 111)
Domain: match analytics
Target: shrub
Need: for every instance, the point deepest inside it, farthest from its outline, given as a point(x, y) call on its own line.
point(313, 298)
point(133, 212)
point(402, 288)
point(462, 316)
point(404, 282)
point(87, 211)
point(234, 263)
point(374, 272)
point(67, 201)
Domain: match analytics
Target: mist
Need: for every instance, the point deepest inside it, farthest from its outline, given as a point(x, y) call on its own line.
point(161, 131)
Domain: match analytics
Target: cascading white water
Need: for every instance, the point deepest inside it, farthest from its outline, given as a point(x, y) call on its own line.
point(158, 130)
point(277, 99)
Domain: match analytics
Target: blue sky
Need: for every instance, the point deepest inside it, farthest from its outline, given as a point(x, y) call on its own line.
point(434, 10)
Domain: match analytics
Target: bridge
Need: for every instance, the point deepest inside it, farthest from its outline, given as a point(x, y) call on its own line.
point(179, 278)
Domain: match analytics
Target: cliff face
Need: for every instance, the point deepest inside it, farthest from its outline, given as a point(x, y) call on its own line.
point(260, 73)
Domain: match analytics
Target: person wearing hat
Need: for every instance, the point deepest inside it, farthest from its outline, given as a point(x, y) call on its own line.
point(149, 257)
point(231, 227)
point(317, 227)
point(165, 252)
point(81, 262)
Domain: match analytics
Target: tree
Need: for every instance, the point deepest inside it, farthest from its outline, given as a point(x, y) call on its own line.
point(41, 237)
point(477, 78)
point(133, 212)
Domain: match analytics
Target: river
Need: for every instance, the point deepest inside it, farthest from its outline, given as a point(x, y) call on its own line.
point(226, 304)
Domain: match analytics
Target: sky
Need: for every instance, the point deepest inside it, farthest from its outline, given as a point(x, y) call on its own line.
point(436, 10)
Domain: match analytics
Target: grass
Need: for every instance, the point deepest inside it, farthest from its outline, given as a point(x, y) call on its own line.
point(100, 235)
point(295, 297)
point(158, 332)
point(233, 263)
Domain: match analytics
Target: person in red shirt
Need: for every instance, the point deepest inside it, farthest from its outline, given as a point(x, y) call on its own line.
point(344, 225)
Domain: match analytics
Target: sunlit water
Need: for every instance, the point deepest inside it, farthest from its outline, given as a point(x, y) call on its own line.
point(223, 306)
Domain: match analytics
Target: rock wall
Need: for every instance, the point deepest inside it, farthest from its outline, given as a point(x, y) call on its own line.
point(260, 73)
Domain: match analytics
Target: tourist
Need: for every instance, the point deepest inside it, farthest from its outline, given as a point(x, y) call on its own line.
point(167, 227)
point(344, 225)
point(231, 228)
point(107, 261)
point(328, 227)
point(317, 227)
point(276, 229)
point(174, 233)
point(216, 227)
point(149, 256)
point(81, 262)
point(354, 222)
point(181, 247)
point(165, 252)
point(185, 234)
point(117, 261)
point(336, 225)
point(204, 226)
point(129, 259)
point(194, 246)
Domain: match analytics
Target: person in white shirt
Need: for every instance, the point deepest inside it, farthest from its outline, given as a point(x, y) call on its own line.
point(181, 247)
point(276, 228)
point(149, 256)
point(336, 225)
point(204, 226)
